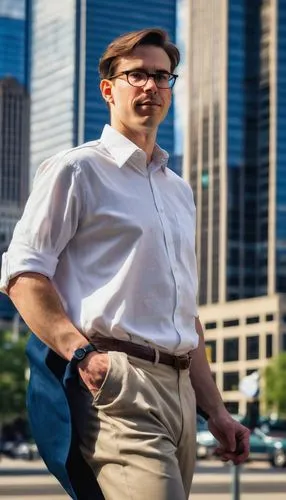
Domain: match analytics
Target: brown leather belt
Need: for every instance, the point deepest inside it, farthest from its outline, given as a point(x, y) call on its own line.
point(140, 351)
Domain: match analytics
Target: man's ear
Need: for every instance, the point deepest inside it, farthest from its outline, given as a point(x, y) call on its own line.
point(106, 91)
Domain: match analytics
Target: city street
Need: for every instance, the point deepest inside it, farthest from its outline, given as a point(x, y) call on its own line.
point(22, 480)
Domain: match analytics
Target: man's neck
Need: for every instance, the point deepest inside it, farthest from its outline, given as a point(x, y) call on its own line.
point(144, 140)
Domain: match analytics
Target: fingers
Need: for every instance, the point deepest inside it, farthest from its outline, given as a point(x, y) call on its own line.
point(241, 451)
point(228, 456)
point(233, 439)
point(93, 370)
point(232, 443)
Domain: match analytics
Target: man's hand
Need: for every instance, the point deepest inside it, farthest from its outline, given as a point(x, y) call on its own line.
point(93, 369)
point(232, 436)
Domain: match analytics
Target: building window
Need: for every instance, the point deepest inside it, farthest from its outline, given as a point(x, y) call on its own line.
point(211, 325)
point(211, 350)
point(216, 131)
point(269, 345)
point(252, 347)
point(205, 140)
point(252, 319)
point(230, 349)
point(205, 180)
point(250, 371)
point(284, 318)
point(231, 322)
point(230, 381)
point(269, 317)
point(232, 407)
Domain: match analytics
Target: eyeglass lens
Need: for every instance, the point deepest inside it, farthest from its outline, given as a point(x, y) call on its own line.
point(139, 79)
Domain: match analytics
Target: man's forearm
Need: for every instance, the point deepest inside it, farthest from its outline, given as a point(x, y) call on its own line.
point(207, 394)
point(39, 305)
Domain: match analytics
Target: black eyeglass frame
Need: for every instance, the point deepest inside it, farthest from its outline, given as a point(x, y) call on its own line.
point(148, 75)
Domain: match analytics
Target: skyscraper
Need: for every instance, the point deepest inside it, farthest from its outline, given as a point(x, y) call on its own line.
point(12, 48)
point(14, 143)
point(68, 38)
point(14, 165)
point(14, 125)
point(235, 153)
point(236, 146)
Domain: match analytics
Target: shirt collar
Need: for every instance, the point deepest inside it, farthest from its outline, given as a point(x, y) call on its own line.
point(122, 149)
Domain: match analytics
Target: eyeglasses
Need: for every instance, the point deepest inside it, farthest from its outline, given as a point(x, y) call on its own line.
point(139, 78)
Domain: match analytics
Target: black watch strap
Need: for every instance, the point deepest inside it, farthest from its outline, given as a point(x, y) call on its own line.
point(80, 353)
point(202, 413)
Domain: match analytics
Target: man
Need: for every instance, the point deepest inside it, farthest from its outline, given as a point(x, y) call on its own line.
point(103, 258)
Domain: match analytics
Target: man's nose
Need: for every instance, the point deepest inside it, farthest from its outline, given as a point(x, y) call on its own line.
point(150, 85)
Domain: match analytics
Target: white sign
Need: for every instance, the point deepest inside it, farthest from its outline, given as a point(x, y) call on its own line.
point(249, 385)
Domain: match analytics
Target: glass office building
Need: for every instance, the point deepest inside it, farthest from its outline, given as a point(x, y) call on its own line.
point(280, 183)
point(12, 48)
point(14, 128)
point(67, 40)
point(236, 151)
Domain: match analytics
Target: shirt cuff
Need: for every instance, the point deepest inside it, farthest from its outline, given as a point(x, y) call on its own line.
point(20, 259)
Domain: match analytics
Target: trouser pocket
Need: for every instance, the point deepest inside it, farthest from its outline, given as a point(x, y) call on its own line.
point(114, 383)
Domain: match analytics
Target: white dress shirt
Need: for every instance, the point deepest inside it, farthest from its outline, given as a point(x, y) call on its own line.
point(116, 238)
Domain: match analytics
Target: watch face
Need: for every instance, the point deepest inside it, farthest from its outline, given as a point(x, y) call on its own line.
point(80, 353)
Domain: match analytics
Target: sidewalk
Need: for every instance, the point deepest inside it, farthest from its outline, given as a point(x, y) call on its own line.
point(18, 464)
point(26, 473)
point(243, 496)
point(35, 473)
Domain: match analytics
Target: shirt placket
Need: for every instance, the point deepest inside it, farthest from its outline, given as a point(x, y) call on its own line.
point(169, 244)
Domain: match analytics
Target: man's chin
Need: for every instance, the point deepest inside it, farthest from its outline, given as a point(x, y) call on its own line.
point(148, 110)
point(149, 121)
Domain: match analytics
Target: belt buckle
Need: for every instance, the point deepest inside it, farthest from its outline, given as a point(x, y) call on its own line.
point(186, 358)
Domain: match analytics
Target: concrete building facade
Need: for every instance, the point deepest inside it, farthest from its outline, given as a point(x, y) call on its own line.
point(234, 158)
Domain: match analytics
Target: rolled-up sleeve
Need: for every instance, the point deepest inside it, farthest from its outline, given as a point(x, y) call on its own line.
point(49, 221)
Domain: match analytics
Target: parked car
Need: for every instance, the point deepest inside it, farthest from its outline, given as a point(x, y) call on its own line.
point(22, 449)
point(202, 424)
point(265, 447)
point(275, 427)
point(262, 447)
point(206, 444)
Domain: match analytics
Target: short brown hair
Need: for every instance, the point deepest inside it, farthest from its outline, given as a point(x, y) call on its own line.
point(125, 44)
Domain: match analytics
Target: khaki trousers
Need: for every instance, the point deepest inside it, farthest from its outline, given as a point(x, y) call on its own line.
point(139, 432)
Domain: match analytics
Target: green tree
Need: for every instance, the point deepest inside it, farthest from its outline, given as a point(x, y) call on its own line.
point(13, 383)
point(275, 384)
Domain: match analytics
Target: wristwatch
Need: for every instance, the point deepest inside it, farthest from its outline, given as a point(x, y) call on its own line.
point(80, 353)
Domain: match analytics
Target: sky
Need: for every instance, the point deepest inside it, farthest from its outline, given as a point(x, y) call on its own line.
point(180, 87)
point(12, 8)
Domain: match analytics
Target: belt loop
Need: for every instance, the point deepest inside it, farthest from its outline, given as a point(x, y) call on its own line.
point(157, 356)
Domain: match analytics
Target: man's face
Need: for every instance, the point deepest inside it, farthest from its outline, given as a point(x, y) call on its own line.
point(138, 108)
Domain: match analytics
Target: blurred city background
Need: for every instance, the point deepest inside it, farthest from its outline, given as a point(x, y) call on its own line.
point(226, 135)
